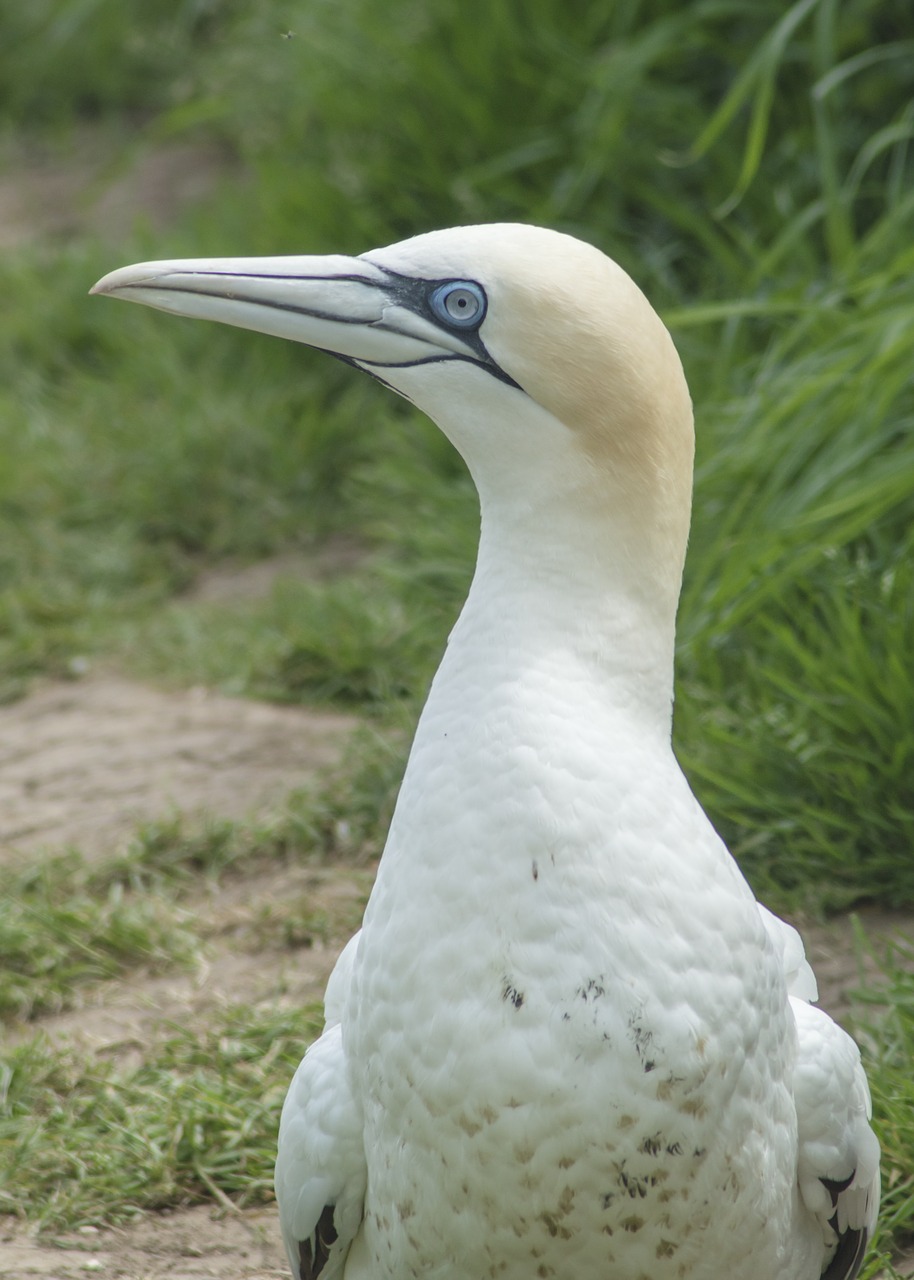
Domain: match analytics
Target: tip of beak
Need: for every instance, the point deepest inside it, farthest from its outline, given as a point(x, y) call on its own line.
point(134, 276)
point(115, 280)
point(108, 283)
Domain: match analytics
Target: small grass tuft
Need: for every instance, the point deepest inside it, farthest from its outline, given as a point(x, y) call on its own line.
point(887, 1037)
point(83, 1141)
point(57, 935)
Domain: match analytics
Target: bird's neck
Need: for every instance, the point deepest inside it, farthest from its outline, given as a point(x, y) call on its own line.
point(554, 698)
point(576, 599)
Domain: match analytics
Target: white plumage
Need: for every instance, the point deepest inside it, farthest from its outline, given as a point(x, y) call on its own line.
point(567, 1041)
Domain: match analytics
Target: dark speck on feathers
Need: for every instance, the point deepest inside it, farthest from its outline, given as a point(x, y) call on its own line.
point(511, 993)
point(637, 1188)
point(536, 870)
point(642, 1040)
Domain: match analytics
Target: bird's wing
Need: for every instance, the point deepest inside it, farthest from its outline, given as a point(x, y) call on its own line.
point(320, 1165)
point(838, 1161)
point(340, 979)
point(800, 979)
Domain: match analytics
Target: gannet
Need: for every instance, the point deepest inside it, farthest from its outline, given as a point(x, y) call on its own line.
point(567, 1041)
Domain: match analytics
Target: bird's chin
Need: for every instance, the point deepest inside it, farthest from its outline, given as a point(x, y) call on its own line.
point(393, 378)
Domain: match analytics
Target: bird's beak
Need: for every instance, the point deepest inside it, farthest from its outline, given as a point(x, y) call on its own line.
point(347, 306)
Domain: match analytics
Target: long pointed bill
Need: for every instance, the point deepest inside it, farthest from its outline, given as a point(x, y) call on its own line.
point(347, 306)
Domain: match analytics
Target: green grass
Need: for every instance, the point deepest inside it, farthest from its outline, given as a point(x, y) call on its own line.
point(354, 642)
point(797, 613)
point(57, 936)
point(66, 925)
point(887, 1037)
point(84, 1141)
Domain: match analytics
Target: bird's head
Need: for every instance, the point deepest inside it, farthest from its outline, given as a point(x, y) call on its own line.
point(535, 353)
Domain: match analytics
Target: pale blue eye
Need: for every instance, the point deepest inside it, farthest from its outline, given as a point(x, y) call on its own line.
point(460, 304)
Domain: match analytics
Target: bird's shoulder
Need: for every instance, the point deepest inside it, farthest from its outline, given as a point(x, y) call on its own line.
point(321, 1173)
point(838, 1153)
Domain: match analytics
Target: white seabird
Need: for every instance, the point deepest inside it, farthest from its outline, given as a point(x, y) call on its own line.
point(567, 1042)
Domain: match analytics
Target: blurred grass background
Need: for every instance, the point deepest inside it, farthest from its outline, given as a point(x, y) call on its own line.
point(749, 163)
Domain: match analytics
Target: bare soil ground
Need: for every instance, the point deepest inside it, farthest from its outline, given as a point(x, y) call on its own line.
point(84, 763)
point(187, 1245)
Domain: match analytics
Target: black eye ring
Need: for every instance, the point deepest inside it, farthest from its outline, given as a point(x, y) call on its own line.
point(460, 304)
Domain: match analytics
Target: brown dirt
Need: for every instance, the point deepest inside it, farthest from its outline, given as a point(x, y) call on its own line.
point(841, 967)
point(84, 763)
point(230, 583)
point(187, 1245)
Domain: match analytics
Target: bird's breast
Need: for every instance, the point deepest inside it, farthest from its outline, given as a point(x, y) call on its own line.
point(564, 1023)
point(531, 1111)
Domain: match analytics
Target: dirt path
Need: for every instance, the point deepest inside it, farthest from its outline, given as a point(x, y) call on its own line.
point(187, 1245)
point(84, 763)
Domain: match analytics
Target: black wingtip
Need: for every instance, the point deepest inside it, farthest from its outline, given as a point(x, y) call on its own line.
point(849, 1254)
point(313, 1259)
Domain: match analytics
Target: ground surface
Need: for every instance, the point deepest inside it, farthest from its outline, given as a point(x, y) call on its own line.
point(82, 762)
point(73, 185)
point(188, 1245)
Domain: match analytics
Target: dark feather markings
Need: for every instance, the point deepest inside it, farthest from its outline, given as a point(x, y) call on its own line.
point(834, 1187)
point(845, 1264)
point(848, 1256)
point(852, 1244)
point(311, 1261)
